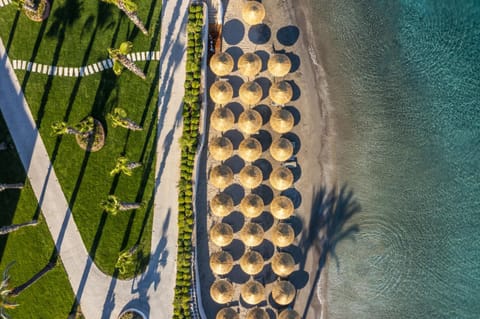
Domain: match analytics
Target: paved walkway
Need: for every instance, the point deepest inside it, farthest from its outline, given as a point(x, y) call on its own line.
point(100, 295)
point(83, 70)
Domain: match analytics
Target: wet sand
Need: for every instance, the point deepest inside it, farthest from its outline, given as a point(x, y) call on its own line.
point(289, 30)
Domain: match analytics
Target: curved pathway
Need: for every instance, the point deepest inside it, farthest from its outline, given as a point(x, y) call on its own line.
point(102, 296)
point(83, 70)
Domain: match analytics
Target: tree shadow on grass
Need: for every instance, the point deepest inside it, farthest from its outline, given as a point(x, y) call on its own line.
point(12, 31)
point(329, 224)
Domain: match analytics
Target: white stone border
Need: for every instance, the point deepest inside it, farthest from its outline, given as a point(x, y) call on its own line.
point(54, 70)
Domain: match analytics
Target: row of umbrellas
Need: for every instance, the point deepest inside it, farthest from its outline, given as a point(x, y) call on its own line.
point(252, 262)
point(250, 121)
point(253, 292)
point(252, 234)
point(250, 64)
point(221, 176)
point(250, 92)
point(256, 313)
point(251, 206)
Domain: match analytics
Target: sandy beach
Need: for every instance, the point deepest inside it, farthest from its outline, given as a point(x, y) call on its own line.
point(286, 29)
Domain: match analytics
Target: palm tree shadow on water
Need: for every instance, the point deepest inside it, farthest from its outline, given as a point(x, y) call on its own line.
point(329, 224)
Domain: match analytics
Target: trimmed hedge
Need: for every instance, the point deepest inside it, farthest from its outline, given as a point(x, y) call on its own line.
point(189, 140)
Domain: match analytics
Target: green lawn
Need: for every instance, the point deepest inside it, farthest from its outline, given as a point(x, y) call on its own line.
point(31, 248)
point(75, 34)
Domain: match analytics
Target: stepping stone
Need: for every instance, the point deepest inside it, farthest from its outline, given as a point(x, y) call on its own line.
point(157, 55)
point(143, 56)
point(95, 67)
point(14, 62)
point(75, 72)
point(54, 70)
point(90, 69)
point(50, 70)
point(149, 55)
point(24, 65)
point(60, 70)
point(33, 67)
point(100, 66)
point(45, 69)
point(105, 64)
point(70, 71)
point(132, 57)
point(1, 3)
point(81, 71)
point(110, 63)
point(139, 57)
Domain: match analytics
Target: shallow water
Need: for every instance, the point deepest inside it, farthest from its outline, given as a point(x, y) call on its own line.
point(404, 78)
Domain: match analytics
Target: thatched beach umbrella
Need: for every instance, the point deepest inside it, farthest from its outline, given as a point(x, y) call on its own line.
point(253, 292)
point(279, 65)
point(221, 92)
point(221, 205)
point(251, 176)
point(249, 64)
point(250, 121)
point(252, 262)
point(221, 234)
point(283, 235)
point(281, 178)
point(283, 264)
point(250, 93)
point(283, 292)
point(222, 119)
point(289, 314)
point(281, 207)
point(252, 234)
point(222, 291)
point(281, 121)
point(252, 206)
point(220, 148)
point(221, 176)
point(250, 149)
point(281, 149)
point(253, 12)
point(221, 63)
point(281, 92)
point(227, 313)
point(257, 313)
point(221, 262)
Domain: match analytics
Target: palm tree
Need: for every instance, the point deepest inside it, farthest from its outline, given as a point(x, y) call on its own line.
point(120, 60)
point(119, 118)
point(84, 128)
point(11, 228)
point(123, 165)
point(34, 11)
point(113, 205)
point(130, 9)
point(6, 293)
point(11, 186)
point(126, 260)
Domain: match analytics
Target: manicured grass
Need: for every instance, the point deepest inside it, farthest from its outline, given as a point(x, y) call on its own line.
point(85, 176)
point(31, 248)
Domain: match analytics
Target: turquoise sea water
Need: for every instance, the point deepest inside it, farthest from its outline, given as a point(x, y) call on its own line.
point(404, 78)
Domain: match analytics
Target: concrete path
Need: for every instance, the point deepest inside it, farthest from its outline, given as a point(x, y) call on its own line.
point(90, 69)
point(100, 295)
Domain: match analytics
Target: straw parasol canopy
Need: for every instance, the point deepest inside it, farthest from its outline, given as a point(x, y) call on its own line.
point(252, 262)
point(252, 234)
point(249, 64)
point(250, 121)
point(289, 314)
point(281, 207)
point(279, 65)
point(283, 292)
point(221, 204)
point(283, 264)
point(221, 63)
point(250, 93)
point(222, 291)
point(253, 12)
point(222, 119)
point(221, 92)
point(281, 92)
point(283, 235)
point(281, 178)
point(281, 121)
point(251, 176)
point(220, 148)
point(250, 149)
point(281, 149)
point(221, 176)
point(252, 206)
point(221, 262)
point(253, 292)
point(221, 234)
point(257, 313)
point(228, 313)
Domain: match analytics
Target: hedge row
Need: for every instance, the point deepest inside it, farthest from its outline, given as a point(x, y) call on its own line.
point(191, 120)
